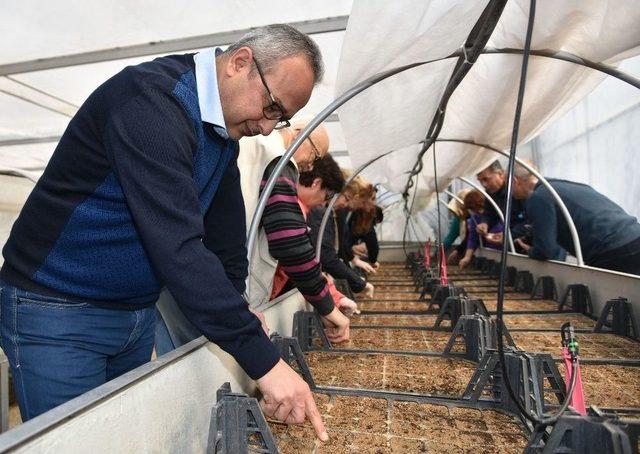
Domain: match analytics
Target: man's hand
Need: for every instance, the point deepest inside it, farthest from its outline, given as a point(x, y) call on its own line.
point(336, 326)
point(287, 398)
point(359, 249)
point(518, 242)
point(482, 229)
point(363, 265)
point(453, 256)
point(368, 290)
point(348, 307)
point(464, 261)
point(494, 238)
point(263, 321)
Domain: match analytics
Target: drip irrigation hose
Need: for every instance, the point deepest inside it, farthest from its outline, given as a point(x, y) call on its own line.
point(539, 422)
point(407, 213)
point(439, 236)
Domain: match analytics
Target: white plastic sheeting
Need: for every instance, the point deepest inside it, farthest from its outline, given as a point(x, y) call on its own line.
point(396, 113)
point(34, 29)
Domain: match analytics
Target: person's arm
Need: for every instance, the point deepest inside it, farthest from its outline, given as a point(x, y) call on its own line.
point(371, 240)
point(541, 211)
point(289, 242)
point(453, 233)
point(225, 228)
point(150, 141)
point(329, 258)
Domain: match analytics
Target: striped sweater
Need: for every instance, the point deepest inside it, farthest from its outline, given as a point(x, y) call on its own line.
point(289, 242)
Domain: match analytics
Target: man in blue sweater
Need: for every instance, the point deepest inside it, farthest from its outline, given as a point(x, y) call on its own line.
point(609, 237)
point(143, 192)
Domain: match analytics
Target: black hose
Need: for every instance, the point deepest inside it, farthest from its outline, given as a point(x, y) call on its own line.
point(544, 421)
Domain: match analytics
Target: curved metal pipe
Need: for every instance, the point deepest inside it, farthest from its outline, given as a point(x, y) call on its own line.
point(565, 212)
point(346, 96)
point(358, 88)
point(334, 199)
point(571, 58)
point(453, 196)
point(495, 206)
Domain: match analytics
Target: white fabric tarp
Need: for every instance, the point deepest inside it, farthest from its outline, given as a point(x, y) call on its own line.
point(396, 113)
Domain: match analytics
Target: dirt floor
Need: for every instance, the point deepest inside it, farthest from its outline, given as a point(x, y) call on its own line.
point(385, 372)
point(368, 425)
point(592, 345)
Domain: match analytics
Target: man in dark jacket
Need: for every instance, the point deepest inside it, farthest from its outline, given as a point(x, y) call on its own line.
point(609, 237)
point(119, 213)
point(493, 180)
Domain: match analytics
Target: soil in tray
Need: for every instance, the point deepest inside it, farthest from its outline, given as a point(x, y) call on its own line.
point(392, 306)
point(370, 425)
point(396, 288)
point(400, 373)
point(395, 320)
point(551, 321)
point(391, 296)
point(522, 305)
point(396, 339)
point(493, 295)
point(478, 282)
point(608, 385)
point(592, 345)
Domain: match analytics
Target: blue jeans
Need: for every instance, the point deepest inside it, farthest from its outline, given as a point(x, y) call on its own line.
point(172, 327)
point(59, 349)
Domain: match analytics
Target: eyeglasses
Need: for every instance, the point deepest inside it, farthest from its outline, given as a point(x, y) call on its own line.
point(328, 195)
point(347, 197)
point(273, 111)
point(316, 153)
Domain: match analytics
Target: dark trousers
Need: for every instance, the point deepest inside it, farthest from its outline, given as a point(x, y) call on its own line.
point(625, 259)
point(59, 349)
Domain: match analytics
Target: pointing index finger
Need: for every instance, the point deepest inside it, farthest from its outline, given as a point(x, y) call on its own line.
point(313, 414)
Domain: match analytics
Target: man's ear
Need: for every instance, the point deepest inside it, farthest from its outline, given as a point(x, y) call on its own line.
point(317, 183)
point(240, 61)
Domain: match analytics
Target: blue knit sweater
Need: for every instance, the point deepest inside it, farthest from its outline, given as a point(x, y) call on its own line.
point(139, 194)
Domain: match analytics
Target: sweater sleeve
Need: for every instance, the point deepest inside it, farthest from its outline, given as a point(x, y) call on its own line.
point(329, 257)
point(541, 210)
point(289, 242)
point(151, 143)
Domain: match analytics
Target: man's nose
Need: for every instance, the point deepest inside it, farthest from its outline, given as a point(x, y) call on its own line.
point(267, 126)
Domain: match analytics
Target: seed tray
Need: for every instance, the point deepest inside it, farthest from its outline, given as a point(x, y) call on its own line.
point(392, 306)
point(395, 320)
point(607, 385)
point(512, 305)
point(392, 296)
point(396, 340)
point(592, 345)
point(475, 282)
point(370, 425)
point(492, 295)
point(410, 288)
point(392, 373)
point(548, 321)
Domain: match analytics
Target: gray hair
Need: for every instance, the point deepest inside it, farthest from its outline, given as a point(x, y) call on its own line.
point(495, 166)
point(519, 171)
point(272, 43)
